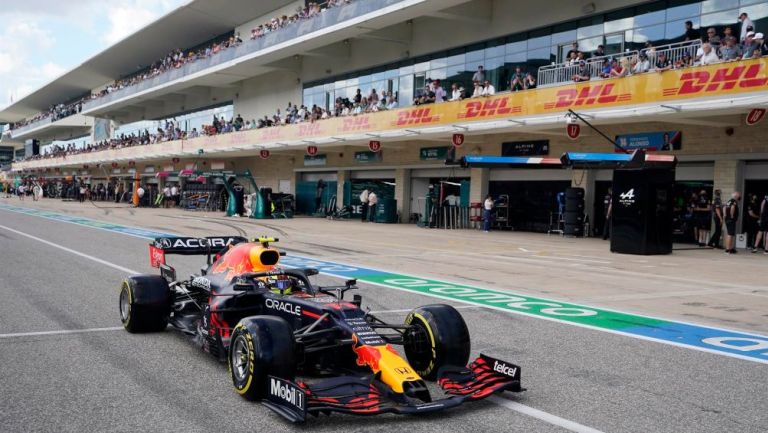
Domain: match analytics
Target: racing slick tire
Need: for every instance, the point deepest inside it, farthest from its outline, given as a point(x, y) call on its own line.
point(437, 336)
point(145, 303)
point(261, 346)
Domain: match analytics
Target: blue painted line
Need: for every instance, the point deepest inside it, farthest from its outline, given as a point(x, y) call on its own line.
point(742, 345)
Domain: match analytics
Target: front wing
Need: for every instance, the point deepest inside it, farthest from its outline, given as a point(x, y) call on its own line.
point(366, 395)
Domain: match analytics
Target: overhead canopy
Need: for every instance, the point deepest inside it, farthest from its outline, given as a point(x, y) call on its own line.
point(580, 160)
point(187, 26)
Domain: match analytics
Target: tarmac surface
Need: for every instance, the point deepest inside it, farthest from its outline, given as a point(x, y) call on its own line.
point(68, 366)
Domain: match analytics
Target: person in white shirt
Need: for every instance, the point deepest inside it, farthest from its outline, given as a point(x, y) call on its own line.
point(642, 65)
point(745, 24)
point(488, 90)
point(455, 92)
point(174, 195)
point(166, 196)
point(478, 90)
point(364, 204)
point(487, 208)
point(708, 55)
point(372, 201)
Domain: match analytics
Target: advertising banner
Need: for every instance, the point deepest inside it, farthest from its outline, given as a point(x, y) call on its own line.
point(663, 141)
point(525, 148)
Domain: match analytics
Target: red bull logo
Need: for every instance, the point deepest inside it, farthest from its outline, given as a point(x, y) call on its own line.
point(367, 355)
point(234, 262)
point(743, 76)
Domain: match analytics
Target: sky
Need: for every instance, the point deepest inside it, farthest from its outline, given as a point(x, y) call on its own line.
point(42, 39)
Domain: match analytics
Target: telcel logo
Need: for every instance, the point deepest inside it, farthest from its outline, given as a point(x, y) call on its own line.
point(285, 392)
point(283, 306)
point(504, 369)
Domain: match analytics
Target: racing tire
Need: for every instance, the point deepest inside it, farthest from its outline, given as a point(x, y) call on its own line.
point(437, 336)
point(145, 303)
point(260, 346)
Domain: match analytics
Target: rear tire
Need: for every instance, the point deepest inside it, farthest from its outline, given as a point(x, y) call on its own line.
point(261, 346)
point(145, 303)
point(438, 336)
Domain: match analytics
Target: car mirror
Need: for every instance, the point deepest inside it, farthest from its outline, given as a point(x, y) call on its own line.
point(310, 271)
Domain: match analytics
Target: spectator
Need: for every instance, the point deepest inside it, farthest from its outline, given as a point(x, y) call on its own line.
point(691, 34)
point(713, 38)
point(455, 92)
point(642, 65)
point(572, 58)
point(358, 97)
point(478, 92)
point(582, 74)
point(751, 219)
point(709, 56)
point(746, 26)
point(684, 62)
point(392, 103)
point(479, 76)
point(731, 217)
point(599, 52)
point(439, 92)
point(373, 98)
point(530, 81)
point(619, 68)
point(517, 81)
point(488, 89)
point(662, 63)
point(605, 72)
point(731, 51)
point(573, 52)
point(752, 46)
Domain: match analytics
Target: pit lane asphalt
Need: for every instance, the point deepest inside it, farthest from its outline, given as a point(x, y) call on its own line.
point(115, 381)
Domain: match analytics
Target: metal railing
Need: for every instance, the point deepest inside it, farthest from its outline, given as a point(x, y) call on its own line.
point(563, 73)
point(15, 132)
point(327, 18)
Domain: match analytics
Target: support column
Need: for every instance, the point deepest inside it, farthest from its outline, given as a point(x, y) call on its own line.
point(586, 179)
point(341, 177)
point(729, 177)
point(403, 193)
point(479, 179)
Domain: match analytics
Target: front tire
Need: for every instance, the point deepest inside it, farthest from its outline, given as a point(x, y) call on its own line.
point(437, 336)
point(261, 346)
point(145, 303)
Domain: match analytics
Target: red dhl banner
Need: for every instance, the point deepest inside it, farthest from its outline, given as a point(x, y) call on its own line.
point(719, 80)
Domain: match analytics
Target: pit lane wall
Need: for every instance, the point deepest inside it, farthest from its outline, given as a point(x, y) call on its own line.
point(705, 82)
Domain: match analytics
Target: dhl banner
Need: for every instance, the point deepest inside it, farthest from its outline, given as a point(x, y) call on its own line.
point(653, 87)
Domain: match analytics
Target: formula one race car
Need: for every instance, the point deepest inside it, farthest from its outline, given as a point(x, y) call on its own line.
point(271, 324)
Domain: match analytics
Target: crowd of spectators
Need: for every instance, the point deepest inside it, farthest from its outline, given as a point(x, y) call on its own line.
point(698, 48)
point(178, 58)
point(55, 113)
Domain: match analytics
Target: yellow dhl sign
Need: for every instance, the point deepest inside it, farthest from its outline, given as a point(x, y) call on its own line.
point(704, 81)
point(653, 87)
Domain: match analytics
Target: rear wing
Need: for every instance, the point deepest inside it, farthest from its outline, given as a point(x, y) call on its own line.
point(189, 247)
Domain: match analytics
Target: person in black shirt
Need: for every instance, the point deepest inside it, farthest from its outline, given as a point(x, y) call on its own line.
point(701, 215)
point(751, 217)
point(717, 219)
point(762, 226)
point(607, 208)
point(691, 34)
point(731, 216)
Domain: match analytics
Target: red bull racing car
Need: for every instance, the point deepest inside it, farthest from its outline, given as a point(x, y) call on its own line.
point(303, 349)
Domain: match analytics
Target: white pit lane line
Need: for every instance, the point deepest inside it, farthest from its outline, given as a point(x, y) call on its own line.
point(509, 404)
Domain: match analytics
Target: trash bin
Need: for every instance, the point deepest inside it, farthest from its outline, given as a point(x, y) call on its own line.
point(386, 211)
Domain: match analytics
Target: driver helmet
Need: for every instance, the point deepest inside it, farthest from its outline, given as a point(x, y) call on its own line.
point(280, 284)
